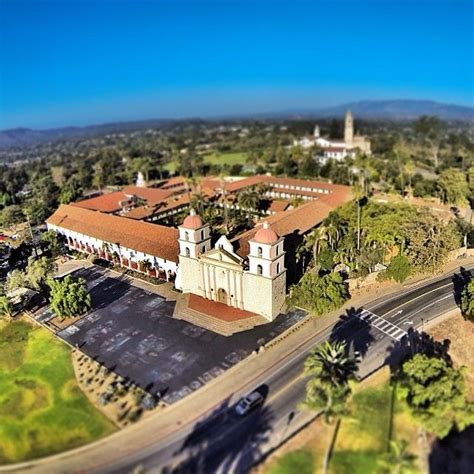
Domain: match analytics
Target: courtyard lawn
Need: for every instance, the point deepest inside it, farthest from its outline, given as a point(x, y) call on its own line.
point(42, 410)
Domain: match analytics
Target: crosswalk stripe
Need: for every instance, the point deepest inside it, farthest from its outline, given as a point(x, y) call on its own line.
point(382, 324)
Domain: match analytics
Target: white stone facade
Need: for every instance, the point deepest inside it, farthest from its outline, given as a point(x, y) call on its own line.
point(130, 258)
point(256, 284)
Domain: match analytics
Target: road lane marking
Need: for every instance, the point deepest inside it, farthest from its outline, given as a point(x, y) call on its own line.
point(409, 301)
point(431, 304)
point(382, 324)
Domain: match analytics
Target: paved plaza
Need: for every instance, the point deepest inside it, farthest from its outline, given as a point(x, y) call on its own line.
point(131, 331)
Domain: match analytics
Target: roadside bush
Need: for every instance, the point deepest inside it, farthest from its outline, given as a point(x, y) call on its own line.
point(399, 269)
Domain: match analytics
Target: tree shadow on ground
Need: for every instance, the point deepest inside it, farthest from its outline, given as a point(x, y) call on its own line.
point(224, 442)
point(416, 342)
point(453, 454)
point(353, 331)
point(460, 280)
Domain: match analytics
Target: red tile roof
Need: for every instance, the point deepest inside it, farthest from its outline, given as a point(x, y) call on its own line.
point(299, 220)
point(278, 205)
point(152, 239)
point(152, 196)
point(105, 203)
point(177, 181)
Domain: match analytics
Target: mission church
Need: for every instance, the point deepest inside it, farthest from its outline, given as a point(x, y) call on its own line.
point(249, 273)
point(337, 149)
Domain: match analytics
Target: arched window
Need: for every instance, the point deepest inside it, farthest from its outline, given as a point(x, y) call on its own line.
point(277, 249)
point(187, 252)
point(202, 235)
point(278, 268)
point(186, 235)
point(203, 249)
point(259, 269)
point(259, 251)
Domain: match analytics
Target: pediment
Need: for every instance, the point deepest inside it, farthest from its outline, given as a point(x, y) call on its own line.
point(220, 255)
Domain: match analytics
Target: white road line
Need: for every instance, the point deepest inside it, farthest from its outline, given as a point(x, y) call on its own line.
point(431, 304)
point(409, 301)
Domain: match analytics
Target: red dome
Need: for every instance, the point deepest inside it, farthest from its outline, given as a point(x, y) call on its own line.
point(265, 235)
point(193, 221)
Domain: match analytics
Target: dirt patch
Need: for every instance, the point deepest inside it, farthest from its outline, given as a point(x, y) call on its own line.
point(121, 402)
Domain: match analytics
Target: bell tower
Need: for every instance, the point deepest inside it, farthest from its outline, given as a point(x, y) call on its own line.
point(349, 129)
point(265, 280)
point(194, 236)
point(266, 256)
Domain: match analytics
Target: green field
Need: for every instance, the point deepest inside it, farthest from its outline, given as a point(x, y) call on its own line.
point(216, 158)
point(42, 409)
point(226, 158)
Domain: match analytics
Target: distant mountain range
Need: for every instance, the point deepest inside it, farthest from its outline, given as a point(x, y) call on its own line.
point(367, 109)
point(400, 110)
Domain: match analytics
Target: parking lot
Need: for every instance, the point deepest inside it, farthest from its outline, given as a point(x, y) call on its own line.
point(131, 331)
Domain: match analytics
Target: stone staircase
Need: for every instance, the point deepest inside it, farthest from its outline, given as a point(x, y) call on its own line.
point(211, 323)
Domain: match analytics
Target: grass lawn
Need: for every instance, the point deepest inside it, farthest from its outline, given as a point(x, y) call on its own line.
point(229, 159)
point(42, 410)
point(215, 158)
point(363, 437)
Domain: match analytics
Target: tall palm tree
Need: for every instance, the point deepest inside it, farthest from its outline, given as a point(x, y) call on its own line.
point(331, 369)
point(248, 200)
point(198, 202)
point(317, 240)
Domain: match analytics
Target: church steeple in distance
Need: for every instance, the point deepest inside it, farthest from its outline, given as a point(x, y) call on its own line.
point(349, 128)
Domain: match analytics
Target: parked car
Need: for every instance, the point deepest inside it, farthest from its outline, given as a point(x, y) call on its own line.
point(249, 403)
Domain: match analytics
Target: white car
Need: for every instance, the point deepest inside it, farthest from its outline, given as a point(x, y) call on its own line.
point(249, 403)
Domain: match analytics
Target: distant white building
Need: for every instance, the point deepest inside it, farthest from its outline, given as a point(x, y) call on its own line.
point(337, 149)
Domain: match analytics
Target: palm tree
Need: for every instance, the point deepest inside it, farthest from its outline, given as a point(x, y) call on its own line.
point(146, 265)
point(197, 202)
point(331, 369)
point(248, 200)
point(317, 240)
point(398, 459)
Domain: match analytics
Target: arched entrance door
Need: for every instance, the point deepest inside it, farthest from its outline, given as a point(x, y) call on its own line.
point(222, 295)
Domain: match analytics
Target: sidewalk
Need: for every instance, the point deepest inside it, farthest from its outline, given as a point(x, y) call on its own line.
point(227, 387)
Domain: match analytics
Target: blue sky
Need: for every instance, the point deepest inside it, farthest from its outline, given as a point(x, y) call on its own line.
point(75, 62)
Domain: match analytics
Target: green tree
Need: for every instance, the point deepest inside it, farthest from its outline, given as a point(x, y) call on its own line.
point(399, 268)
point(453, 186)
point(319, 294)
point(16, 279)
point(11, 215)
point(69, 297)
point(331, 369)
point(249, 200)
point(467, 300)
point(436, 394)
point(38, 272)
point(52, 242)
point(71, 191)
point(429, 242)
point(6, 308)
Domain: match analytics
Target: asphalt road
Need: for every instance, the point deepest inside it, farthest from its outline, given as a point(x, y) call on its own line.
point(224, 443)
